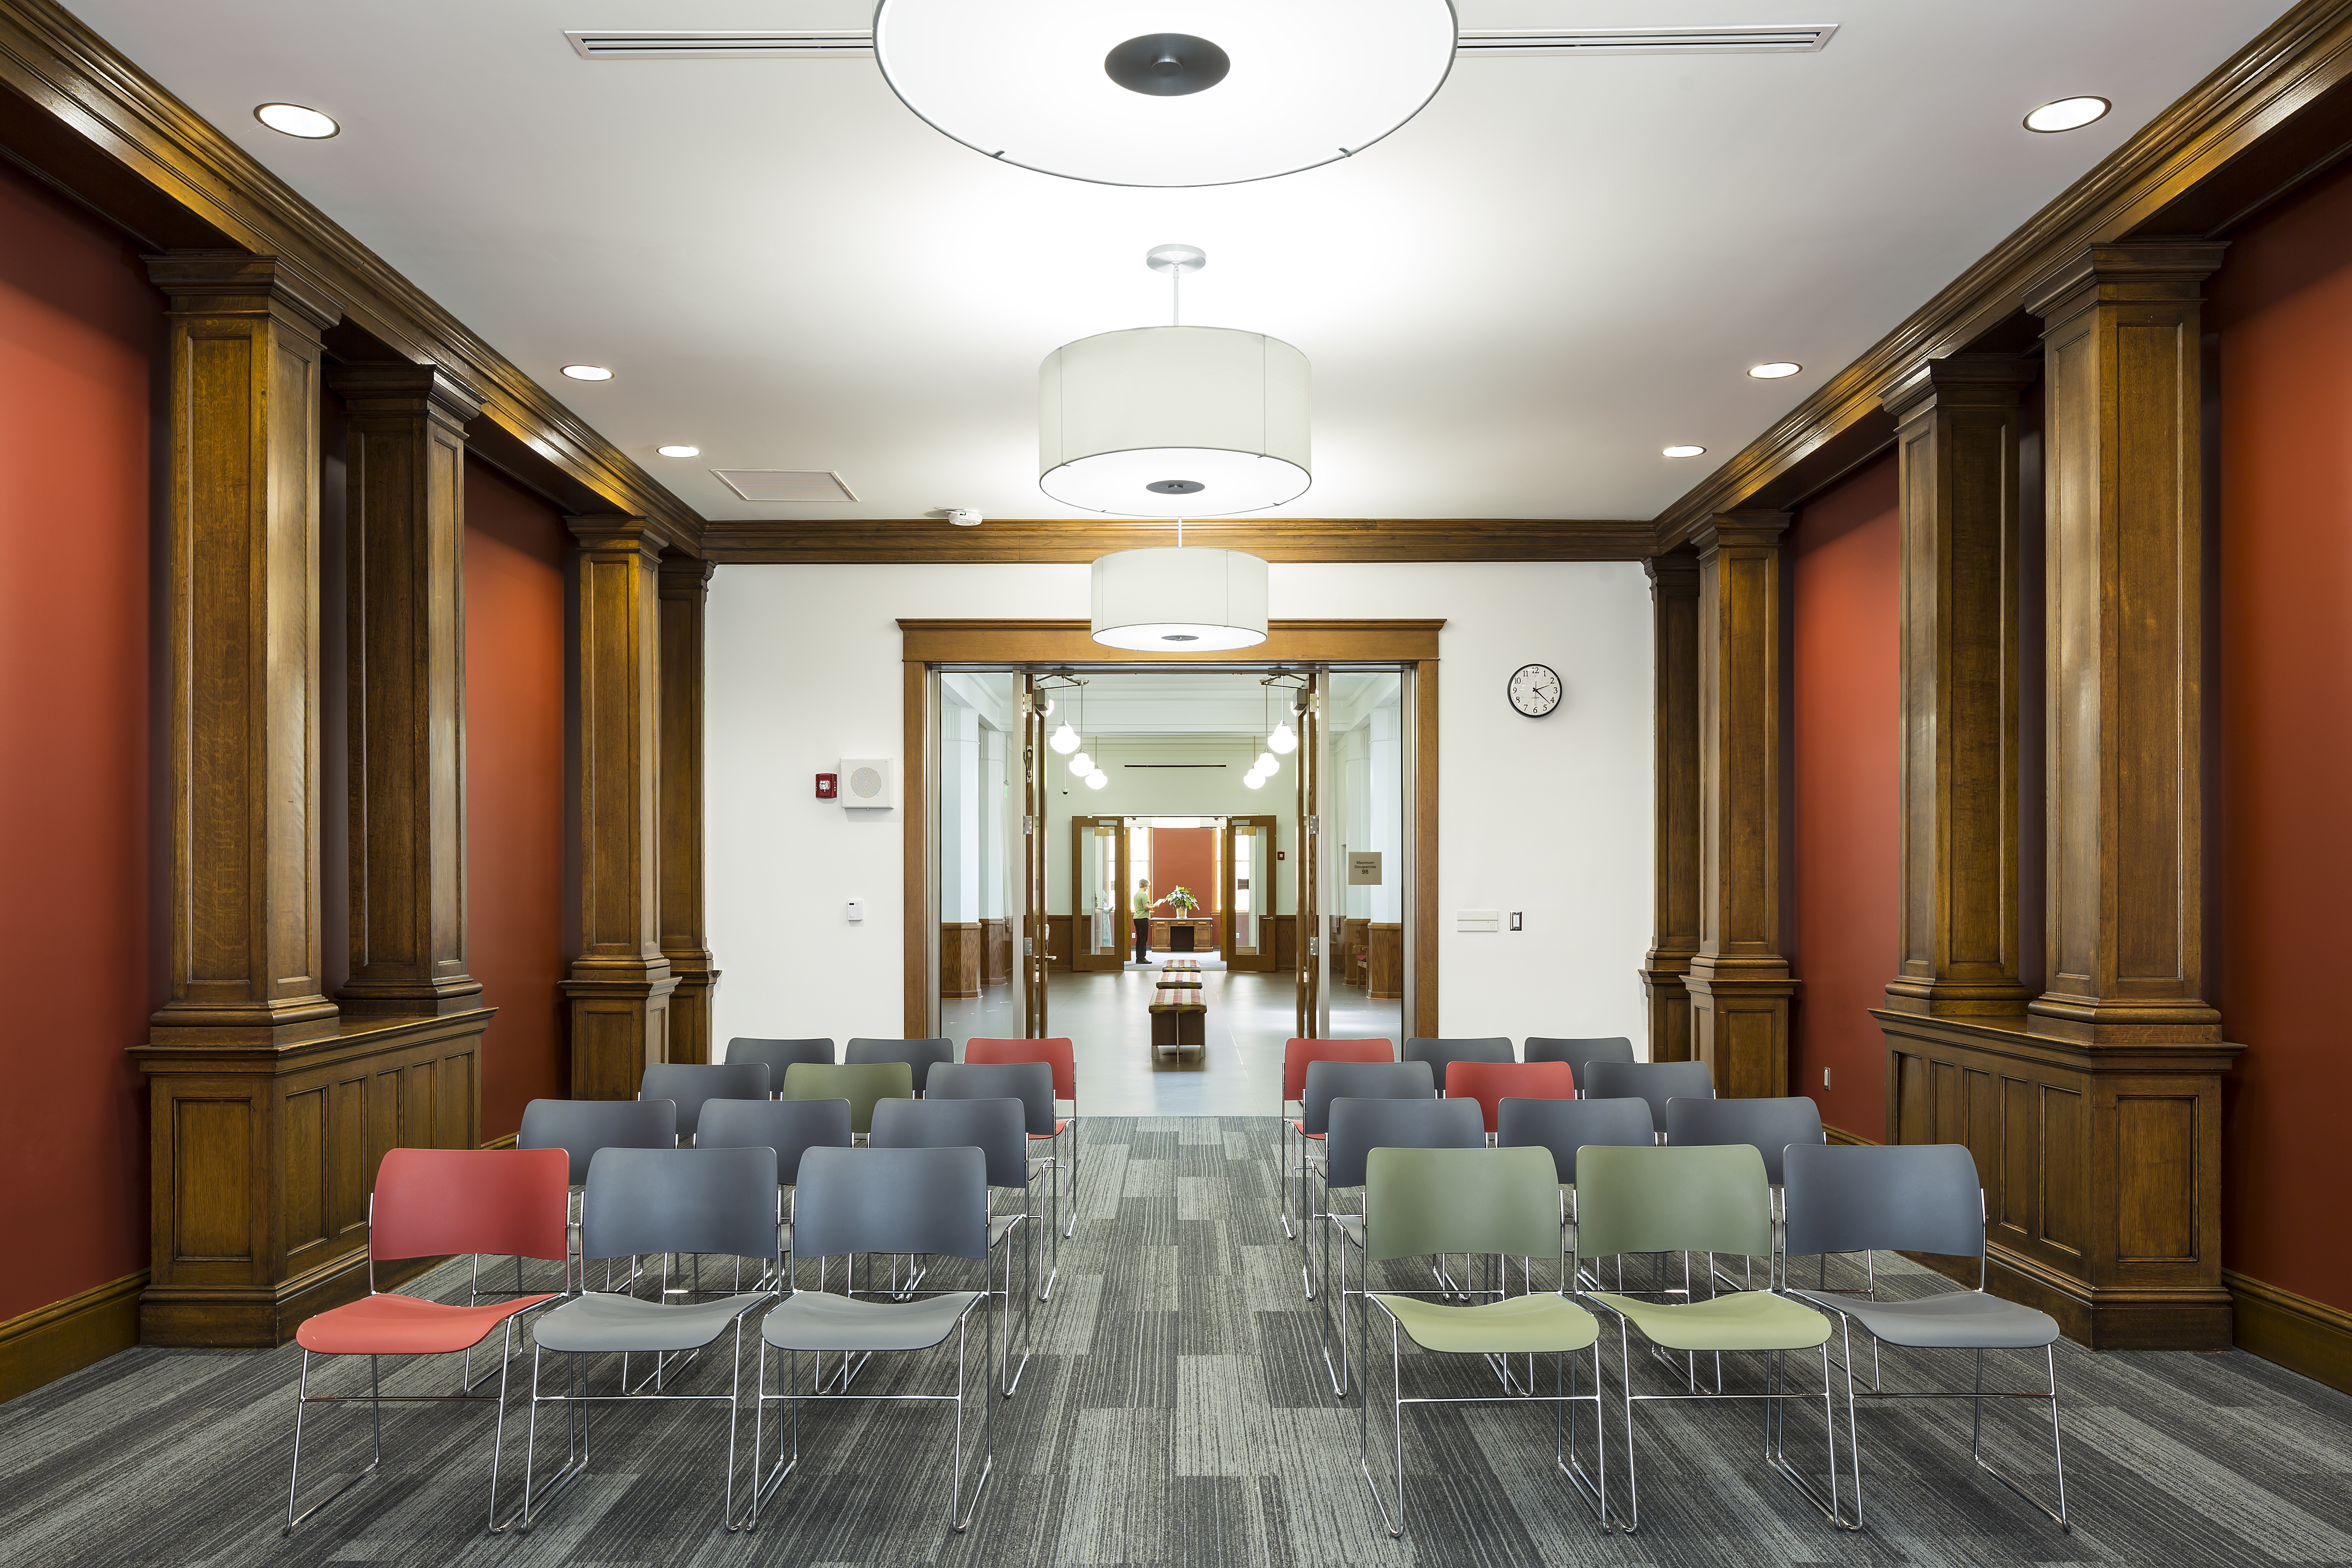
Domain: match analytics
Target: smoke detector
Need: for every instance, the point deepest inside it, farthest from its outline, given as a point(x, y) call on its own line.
point(963, 517)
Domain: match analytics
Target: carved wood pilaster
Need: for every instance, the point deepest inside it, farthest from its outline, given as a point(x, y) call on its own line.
point(406, 527)
point(685, 589)
point(1959, 420)
point(1674, 595)
point(1738, 981)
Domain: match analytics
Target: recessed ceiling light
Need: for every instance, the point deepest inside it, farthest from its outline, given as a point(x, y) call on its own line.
point(1684, 451)
point(293, 120)
point(678, 451)
point(1775, 370)
point(2067, 114)
point(587, 373)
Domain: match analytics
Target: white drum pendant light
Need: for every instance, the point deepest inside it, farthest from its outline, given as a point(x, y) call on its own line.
point(1215, 92)
point(1180, 601)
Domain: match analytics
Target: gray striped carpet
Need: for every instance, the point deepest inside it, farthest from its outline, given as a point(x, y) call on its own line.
point(1176, 1413)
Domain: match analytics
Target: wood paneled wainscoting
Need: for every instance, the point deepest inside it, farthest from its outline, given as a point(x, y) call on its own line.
point(1386, 941)
point(960, 959)
point(996, 951)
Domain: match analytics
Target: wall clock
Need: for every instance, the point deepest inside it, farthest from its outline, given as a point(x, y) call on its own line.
point(1535, 689)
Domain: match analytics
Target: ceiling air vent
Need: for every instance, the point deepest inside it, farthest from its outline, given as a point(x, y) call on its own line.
point(627, 46)
point(784, 485)
point(1645, 41)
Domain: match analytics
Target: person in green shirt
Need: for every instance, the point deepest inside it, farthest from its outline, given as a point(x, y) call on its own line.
point(1143, 903)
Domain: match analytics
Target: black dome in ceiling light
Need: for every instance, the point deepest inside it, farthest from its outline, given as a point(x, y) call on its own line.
point(1167, 64)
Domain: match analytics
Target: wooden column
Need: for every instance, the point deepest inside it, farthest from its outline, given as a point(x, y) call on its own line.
point(1674, 595)
point(405, 521)
point(1958, 421)
point(684, 934)
point(1739, 980)
point(620, 984)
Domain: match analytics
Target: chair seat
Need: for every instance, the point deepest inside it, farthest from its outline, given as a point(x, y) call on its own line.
point(1059, 1122)
point(392, 1324)
point(1524, 1325)
point(1740, 1321)
point(1300, 1128)
point(608, 1321)
point(821, 1321)
point(1955, 1319)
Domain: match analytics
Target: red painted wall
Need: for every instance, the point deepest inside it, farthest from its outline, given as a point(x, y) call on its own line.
point(515, 647)
point(2281, 305)
point(1186, 858)
point(82, 359)
point(1844, 561)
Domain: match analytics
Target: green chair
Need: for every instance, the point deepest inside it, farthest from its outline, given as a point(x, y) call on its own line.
point(1703, 1199)
point(1420, 1203)
point(860, 1083)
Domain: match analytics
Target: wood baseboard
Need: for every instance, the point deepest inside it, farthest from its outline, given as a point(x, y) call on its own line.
point(45, 1343)
point(2299, 1333)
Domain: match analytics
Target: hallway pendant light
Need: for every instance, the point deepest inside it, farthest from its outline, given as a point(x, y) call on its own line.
point(1267, 764)
point(1282, 743)
point(1254, 779)
point(1231, 91)
point(1081, 763)
point(1066, 739)
point(1096, 779)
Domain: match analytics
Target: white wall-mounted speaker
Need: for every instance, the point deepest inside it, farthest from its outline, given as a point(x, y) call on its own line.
point(869, 782)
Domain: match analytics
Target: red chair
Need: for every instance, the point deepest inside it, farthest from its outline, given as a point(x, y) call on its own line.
point(428, 1203)
point(1060, 1055)
point(1297, 1055)
point(1490, 1083)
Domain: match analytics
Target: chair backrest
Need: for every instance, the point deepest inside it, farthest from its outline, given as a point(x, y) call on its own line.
point(580, 1127)
point(1030, 1082)
point(892, 1200)
point(779, 1054)
point(992, 1126)
point(1328, 1081)
point(920, 1056)
point(1297, 1055)
point(1057, 1053)
point(693, 1084)
point(1443, 1053)
point(860, 1084)
point(1420, 1201)
point(679, 1200)
point(1768, 1125)
point(511, 1202)
point(1360, 1126)
point(790, 1127)
point(1911, 1197)
point(1656, 1082)
point(1671, 1200)
point(1576, 1053)
point(1489, 1082)
point(1564, 1126)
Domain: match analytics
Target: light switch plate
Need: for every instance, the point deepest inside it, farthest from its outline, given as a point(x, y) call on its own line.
point(856, 911)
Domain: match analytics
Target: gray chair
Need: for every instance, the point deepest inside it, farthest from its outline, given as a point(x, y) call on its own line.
point(1915, 1197)
point(695, 1084)
point(790, 1127)
point(1443, 1053)
point(1359, 1127)
point(1030, 1083)
point(1328, 1081)
point(1656, 1082)
point(780, 1055)
point(996, 1128)
point(1564, 1126)
point(920, 1056)
point(580, 1128)
point(925, 1201)
point(1576, 1053)
point(1768, 1125)
point(656, 1201)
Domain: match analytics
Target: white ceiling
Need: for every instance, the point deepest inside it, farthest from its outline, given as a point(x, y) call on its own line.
point(1560, 267)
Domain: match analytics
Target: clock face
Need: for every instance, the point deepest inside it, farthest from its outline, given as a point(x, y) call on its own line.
point(1535, 689)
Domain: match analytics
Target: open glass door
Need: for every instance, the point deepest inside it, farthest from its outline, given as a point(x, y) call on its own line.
point(1034, 941)
point(1314, 943)
point(1098, 870)
point(1249, 886)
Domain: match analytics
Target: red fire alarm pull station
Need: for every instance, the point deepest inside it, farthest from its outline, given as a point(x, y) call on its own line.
point(828, 786)
point(1282, 854)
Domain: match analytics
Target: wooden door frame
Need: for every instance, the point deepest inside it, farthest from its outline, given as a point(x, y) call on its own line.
point(1120, 873)
point(1265, 874)
point(923, 642)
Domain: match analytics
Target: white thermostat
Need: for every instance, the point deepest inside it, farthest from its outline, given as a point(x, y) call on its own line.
point(869, 782)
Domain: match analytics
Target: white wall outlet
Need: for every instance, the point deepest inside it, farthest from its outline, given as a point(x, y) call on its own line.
point(869, 782)
point(1826, 1078)
point(856, 911)
point(1517, 918)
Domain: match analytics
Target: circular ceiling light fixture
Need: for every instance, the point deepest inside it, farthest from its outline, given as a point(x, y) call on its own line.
point(1284, 740)
point(1180, 600)
point(679, 451)
point(293, 120)
point(1267, 764)
point(1254, 779)
point(1234, 90)
point(1096, 779)
point(1684, 451)
point(1066, 739)
point(1081, 763)
point(587, 373)
point(1775, 370)
point(2067, 114)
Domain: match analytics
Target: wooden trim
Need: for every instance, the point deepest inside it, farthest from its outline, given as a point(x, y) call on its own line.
point(899, 541)
point(1854, 1140)
point(1424, 849)
point(48, 1342)
point(503, 1141)
point(2197, 163)
point(1071, 642)
point(2299, 1333)
point(915, 870)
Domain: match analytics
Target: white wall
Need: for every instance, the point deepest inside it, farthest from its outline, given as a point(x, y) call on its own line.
point(1550, 816)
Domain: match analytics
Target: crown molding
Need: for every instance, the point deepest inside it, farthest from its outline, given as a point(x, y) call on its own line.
point(2275, 113)
point(81, 117)
point(778, 541)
